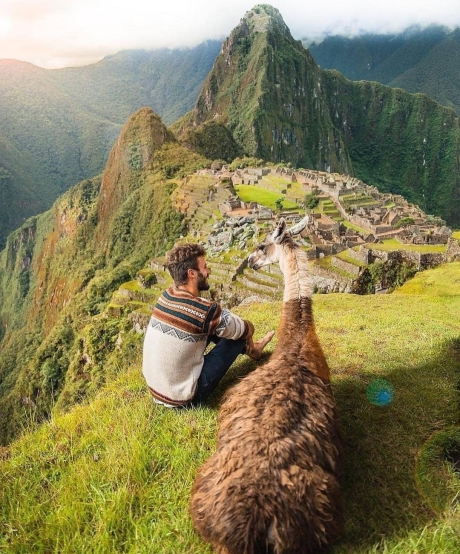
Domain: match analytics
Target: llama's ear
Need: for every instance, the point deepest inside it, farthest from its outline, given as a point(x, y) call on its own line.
point(278, 233)
point(300, 226)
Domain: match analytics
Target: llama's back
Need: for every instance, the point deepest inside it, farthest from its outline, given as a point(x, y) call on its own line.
point(272, 484)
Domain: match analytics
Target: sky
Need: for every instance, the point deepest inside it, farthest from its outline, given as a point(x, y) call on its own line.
point(64, 33)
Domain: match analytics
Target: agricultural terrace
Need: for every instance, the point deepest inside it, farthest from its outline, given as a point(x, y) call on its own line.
point(252, 193)
point(393, 244)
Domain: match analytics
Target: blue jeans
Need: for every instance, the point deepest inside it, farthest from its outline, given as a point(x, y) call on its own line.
point(216, 364)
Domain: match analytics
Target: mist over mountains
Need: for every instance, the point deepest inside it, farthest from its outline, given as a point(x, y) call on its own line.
point(58, 126)
point(417, 60)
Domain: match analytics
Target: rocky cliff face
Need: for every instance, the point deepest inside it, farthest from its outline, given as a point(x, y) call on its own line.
point(280, 106)
point(401, 142)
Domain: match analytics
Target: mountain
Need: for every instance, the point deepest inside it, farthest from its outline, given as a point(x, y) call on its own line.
point(167, 80)
point(417, 60)
point(58, 126)
point(47, 142)
point(60, 268)
point(268, 91)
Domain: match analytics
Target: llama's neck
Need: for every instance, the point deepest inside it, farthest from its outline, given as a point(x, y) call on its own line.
point(297, 339)
point(294, 266)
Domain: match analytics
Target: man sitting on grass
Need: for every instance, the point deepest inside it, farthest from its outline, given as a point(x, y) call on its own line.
point(175, 366)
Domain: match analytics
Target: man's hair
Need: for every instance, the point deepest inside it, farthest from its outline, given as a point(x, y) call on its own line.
point(181, 259)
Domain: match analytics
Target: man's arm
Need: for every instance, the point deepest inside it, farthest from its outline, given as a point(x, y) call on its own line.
point(233, 327)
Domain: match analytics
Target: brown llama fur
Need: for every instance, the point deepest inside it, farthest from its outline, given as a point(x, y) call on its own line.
point(272, 485)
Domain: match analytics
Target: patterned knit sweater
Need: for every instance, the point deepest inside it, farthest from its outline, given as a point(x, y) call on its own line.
point(175, 342)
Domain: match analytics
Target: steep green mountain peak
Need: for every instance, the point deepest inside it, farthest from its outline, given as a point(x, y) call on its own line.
point(142, 135)
point(268, 91)
point(264, 17)
point(279, 105)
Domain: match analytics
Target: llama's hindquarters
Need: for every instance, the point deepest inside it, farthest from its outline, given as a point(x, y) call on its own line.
point(226, 511)
point(272, 485)
point(285, 512)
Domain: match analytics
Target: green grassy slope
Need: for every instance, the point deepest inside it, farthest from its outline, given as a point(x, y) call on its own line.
point(114, 475)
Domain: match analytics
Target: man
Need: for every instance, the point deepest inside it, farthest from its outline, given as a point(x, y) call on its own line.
point(177, 371)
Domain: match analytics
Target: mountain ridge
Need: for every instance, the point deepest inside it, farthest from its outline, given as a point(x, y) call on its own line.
point(59, 270)
point(57, 126)
point(106, 93)
point(417, 60)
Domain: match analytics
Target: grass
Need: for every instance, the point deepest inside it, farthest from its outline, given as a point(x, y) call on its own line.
point(345, 256)
point(393, 244)
point(325, 263)
point(277, 181)
point(356, 227)
point(251, 193)
point(292, 188)
point(456, 235)
point(441, 282)
point(115, 475)
point(329, 208)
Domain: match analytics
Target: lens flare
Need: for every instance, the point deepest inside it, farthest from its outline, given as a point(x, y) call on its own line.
point(380, 392)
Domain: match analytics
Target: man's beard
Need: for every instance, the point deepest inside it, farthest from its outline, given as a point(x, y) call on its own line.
point(202, 282)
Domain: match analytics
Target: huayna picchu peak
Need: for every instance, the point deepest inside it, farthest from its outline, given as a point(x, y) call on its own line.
point(279, 105)
point(263, 17)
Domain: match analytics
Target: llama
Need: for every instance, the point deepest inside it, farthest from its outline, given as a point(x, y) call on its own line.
point(272, 485)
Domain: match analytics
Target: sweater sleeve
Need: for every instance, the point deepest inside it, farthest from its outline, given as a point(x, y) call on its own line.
point(231, 326)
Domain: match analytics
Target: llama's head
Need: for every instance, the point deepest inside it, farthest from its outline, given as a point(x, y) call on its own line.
point(269, 250)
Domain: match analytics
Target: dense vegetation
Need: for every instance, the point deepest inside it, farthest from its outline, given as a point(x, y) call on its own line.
point(213, 140)
point(167, 80)
point(59, 270)
point(418, 60)
point(400, 142)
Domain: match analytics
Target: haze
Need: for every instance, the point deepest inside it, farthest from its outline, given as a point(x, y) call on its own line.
point(62, 33)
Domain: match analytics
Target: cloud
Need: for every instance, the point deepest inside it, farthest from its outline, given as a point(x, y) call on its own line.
point(54, 33)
